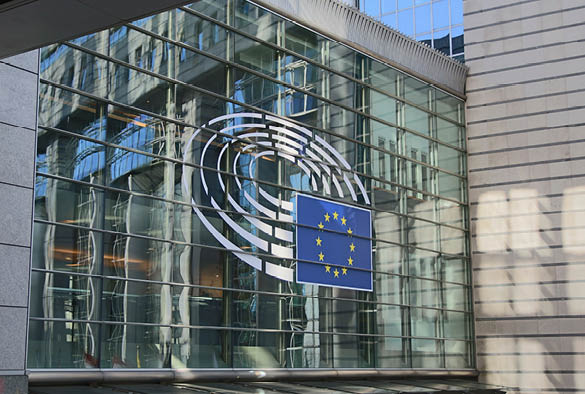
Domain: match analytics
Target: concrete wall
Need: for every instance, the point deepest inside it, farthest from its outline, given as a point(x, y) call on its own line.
point(526, 130)
point(18, 118)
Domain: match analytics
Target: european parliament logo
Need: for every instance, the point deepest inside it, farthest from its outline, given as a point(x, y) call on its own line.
point(334, 245)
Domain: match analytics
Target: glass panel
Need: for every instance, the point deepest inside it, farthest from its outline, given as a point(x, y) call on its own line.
point(406, 20)
point(447, 131)
point(416, 120)
point(135, 346)
point(426, 354)
point(255, 21)
point(158, 274)
point(64, 296)
point(63, 344)
point(450, 159)
point(423, 18)
point(456, 12)
point(200, 348)
point(388, 6)
point(440, 14)
point(458, 354)
point(67, 249)
point(449, 106)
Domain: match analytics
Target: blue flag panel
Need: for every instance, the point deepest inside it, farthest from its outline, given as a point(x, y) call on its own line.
point(337, 244)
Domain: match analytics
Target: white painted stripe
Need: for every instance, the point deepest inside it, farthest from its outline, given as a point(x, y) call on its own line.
point(350, 187)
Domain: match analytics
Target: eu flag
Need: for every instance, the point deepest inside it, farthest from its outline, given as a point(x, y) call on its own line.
point(336, 239)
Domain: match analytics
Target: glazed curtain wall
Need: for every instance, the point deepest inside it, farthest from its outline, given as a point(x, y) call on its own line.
point(127, 271)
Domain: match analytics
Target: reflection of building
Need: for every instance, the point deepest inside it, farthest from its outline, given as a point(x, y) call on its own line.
point(128, 277)
point(138, 274)
point(438, 23)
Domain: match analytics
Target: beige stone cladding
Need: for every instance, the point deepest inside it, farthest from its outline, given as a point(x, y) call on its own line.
point(526, 142)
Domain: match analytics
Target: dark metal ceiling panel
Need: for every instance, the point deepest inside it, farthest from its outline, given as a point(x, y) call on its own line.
point(30, 24)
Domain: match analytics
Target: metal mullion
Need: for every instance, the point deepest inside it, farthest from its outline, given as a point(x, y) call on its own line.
point(247, 214)
point(329, 69)
point(232, 289)
point(175, 242)
point(439, 253)
point(246, 105)
point(200, 327)
point(288, 86)
point(198, 166)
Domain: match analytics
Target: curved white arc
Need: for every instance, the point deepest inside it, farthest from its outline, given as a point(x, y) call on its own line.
point(349, 187)
point(253, 134)
point(313, 165)
point(326, 185)
point(279, 272)
point(285, 148)
point(289, 124)
point(201, 162)
point(235, 170)
point(333, 151)
point(248, 259)
point(362, 188)
point(337, 185)
point(283, 234)
point(324, 154)
point(262, 244)
point(289, 133)
point(236, 115)
point(287, 141)
point(241, 126)
point(261, 208)
point(259, 224)
point(218, 165)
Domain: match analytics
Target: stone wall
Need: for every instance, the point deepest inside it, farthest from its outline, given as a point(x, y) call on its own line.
point(18, 118)
point(526, 140)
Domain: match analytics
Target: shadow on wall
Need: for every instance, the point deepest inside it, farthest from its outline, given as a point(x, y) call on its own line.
point(529, 269)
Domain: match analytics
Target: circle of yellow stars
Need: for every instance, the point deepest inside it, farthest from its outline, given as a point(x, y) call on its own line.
point(319, 242)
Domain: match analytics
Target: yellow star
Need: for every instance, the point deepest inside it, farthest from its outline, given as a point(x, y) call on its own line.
point(319, 241)
point(327, 217)
point(321, 255)
point(344, 270)
point(343, 220)
point(350, 261)
point(351, 246)
point(321, 225)
point(349, 231)
point(327, 268)
point(335, 215)
point(336, 273)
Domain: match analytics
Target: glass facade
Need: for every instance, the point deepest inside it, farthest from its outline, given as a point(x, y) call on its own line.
point(161, 144)
point(438, 23)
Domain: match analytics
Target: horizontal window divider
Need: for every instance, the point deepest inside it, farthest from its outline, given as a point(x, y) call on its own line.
point(332, 70)
point(257, 109)
point(176, 242)
point(246, 178)
point(262, 292)
point(226, 328)
point(298, 89)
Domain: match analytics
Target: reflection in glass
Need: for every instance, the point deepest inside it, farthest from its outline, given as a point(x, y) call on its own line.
point(127, 272)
